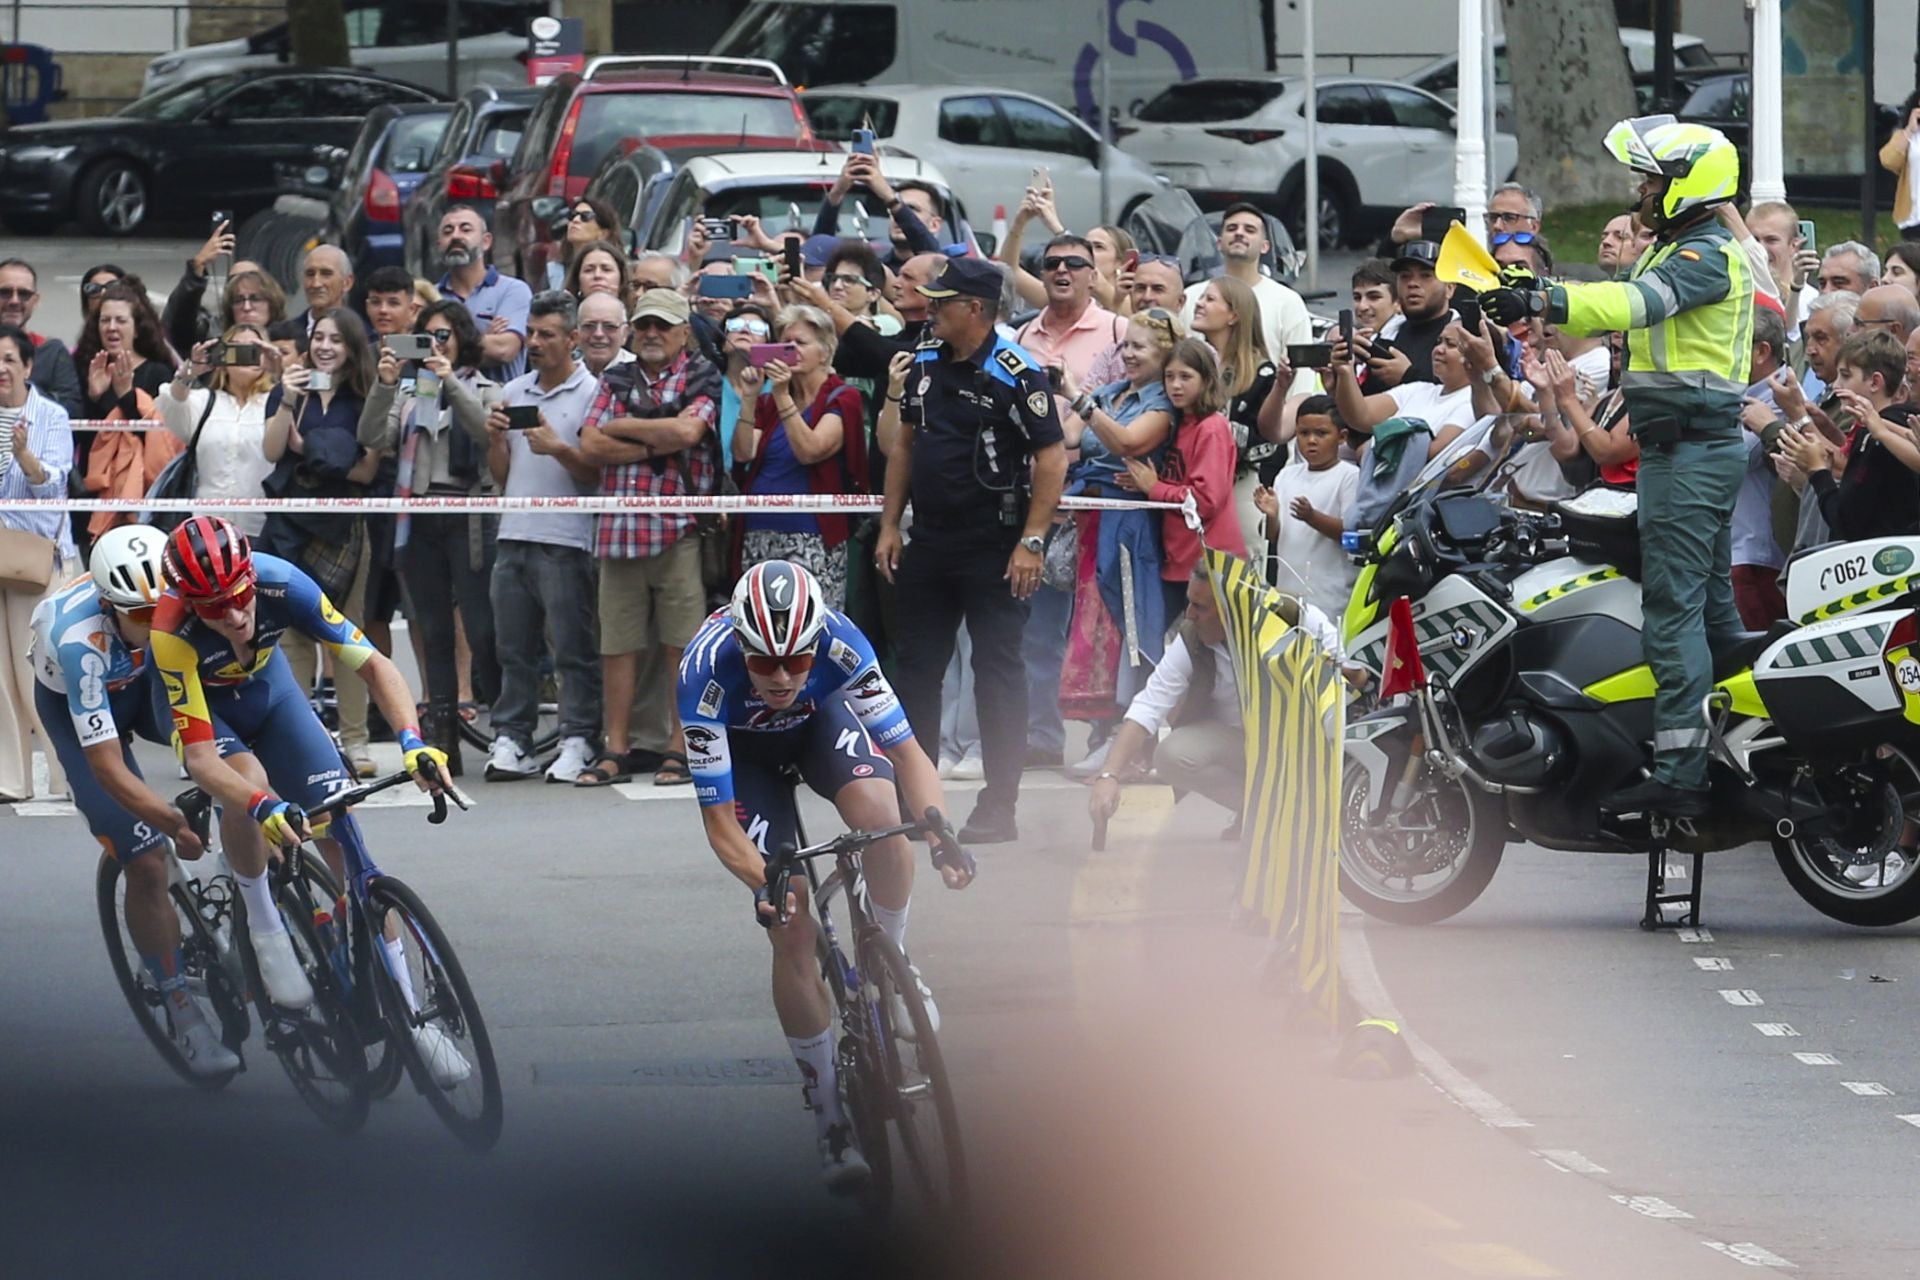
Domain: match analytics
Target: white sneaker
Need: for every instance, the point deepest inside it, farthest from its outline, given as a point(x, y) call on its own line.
point(204, 1053)
point(841, 1163)
point(575, 755)
point(945, 769)
point(1096, 760)
point(969, 770)
point(507, 762)
point(445, 1063)
point(280, 971)
point(902, 1019)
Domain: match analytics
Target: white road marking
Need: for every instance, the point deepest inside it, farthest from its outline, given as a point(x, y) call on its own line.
point(1866, 1088)
point(1912, 1120)
point(1714, 964)
point(1742, 998)
point(642, 788)
point(1750, 1253)
point(1569, 1161)
point(44, 809)
point(1694, 935)
point(1363, 980)
point(1651, 1206)
point(1818, 1059)
point(1775, 1028)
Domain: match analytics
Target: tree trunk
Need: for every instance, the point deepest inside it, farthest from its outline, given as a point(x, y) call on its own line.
point(317, 30)
point(1570, 84)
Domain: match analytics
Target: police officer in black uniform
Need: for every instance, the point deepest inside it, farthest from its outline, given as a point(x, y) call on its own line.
point(982, 456)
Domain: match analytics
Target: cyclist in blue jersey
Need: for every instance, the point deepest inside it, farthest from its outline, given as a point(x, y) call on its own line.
point(244, 725)
point(93, 690)
point(779, 679)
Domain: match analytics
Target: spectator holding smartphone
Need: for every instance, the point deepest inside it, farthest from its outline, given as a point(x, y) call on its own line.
point(226, 419)
point(916, 221)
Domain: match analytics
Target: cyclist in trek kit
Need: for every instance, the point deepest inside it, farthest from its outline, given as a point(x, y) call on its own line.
point(242, 723)
point(779, 679)
point(93, 690)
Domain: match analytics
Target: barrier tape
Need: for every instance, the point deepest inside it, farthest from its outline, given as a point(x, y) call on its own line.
point(117, 424)
point(588, 505)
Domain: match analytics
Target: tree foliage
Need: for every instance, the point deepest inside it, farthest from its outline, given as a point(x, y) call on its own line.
point(1570, 84)
point(317, 30)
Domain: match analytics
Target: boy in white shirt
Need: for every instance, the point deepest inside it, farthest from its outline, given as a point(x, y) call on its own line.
point(1306, 511)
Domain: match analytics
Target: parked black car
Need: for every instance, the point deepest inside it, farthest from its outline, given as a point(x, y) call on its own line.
point(1723, 102)
point(219, 143)
point(379, 176)
point(469, 167)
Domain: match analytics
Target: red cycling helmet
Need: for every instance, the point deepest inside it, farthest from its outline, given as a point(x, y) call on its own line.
point(207, 558)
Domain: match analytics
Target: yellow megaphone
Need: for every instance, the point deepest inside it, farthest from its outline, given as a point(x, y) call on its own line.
point(1463, 261)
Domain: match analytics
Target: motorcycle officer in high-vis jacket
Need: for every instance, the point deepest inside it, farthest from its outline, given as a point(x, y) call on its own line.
point(1687, 307)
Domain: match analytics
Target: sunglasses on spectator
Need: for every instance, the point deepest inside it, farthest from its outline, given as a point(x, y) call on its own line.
point(94, 288)
point(583, 215)
point(250, 300)
point(1164, 259)
point(11, 295)
point(645, 323)
point(1159, 317)
point(761, 664)
point(440, 335)
point(216, 609)
point(747, 324)
point(1512, 237)
point(846, 278)
point(1071, 261)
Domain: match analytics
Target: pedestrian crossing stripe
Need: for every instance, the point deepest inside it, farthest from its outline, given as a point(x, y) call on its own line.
point(1568, 587)
point(1860, 599)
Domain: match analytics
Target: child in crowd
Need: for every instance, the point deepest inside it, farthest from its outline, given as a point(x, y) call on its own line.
point(1306, 510)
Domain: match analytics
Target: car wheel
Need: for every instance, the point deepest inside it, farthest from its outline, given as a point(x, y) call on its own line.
point(1337, 210)
point(114, 198)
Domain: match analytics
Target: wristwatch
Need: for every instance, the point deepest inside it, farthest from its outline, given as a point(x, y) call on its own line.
point(1492, 375)
point(1035, 543)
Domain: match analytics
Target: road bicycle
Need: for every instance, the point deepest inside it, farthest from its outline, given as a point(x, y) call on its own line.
point(892, 1078)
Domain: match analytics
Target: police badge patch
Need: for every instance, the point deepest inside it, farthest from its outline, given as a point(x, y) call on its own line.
point(1038, 403)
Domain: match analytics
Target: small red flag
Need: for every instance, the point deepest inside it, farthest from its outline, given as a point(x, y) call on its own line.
point(1403, 672)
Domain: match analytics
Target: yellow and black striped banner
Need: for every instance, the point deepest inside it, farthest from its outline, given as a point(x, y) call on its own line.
point(1293, 704)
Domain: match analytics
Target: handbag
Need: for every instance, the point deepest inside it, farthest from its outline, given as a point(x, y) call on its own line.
point(26, 561)
point(179, 478)
point(716, 540)
point(1060, 566)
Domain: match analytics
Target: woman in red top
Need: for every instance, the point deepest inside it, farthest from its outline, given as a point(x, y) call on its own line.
point(1199, 462)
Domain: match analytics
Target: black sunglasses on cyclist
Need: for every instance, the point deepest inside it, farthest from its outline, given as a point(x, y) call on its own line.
point(1071, 261)
point(797, 664)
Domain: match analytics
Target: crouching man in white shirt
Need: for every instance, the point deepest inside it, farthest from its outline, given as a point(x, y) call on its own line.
point(1193, 693)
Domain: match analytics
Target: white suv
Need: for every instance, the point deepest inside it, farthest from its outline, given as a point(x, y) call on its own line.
point(1383, 146)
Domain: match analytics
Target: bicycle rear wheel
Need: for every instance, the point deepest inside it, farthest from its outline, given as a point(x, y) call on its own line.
point(317, 1047)
point(859, 1075)
point(462, 1081)
point(207, 984)
point(918, 1098)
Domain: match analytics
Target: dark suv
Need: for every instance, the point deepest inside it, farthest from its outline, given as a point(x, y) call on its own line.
point(696, 102)
point(469, 167)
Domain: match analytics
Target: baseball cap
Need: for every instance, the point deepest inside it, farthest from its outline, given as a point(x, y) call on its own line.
point(1422, 253)
point(817, 251)
point(965, 277)
point(662, 304)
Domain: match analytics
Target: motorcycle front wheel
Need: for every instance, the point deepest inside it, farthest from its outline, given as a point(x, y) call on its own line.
point(1426, 855)
point(1867, 872)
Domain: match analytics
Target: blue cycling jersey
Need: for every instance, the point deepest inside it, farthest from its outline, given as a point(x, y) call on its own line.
point(77, 652)
point(717, 697)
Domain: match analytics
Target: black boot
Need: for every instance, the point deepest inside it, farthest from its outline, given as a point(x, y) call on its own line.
point(1652, 797)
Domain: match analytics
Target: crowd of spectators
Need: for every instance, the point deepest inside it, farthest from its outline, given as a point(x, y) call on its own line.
point(659, 375)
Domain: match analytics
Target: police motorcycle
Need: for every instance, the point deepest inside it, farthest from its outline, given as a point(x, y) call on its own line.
point(1538, 702)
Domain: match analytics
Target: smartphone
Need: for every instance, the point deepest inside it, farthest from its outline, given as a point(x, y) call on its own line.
point(408, 346)
point(1346, 330)
point(222, 262)
point(1808, 235)
point(717, 229)
point(523, 417)
point(1131, 260)
point(1434, 222)
point(244, 354)
point(862, 142)
point(1467, 307)
point(1309, 355)
point(725, 287)
point(319, 380)
point(1040, 179)
point(766, 268)
point(760, 353)
point(791, 251)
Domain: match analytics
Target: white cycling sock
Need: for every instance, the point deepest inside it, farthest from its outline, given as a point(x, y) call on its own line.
point(818, 1085)
point(397, 966)
point(263, 913)
point(892, 923)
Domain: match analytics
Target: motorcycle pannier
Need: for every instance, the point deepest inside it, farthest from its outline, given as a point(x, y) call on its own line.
point(1603, 526)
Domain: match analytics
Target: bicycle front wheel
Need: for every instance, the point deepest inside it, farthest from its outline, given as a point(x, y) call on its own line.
point(919, 1099)
point(206, 981)
point(434, 1019)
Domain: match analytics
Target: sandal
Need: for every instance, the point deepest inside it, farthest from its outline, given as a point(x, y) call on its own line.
point(606, 770)
point(469, 711)
point(673, 771)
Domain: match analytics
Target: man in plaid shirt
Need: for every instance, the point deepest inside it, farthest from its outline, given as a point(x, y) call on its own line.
point(650, 430)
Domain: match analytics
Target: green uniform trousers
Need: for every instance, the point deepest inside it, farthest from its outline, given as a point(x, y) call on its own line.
point(1687, 494)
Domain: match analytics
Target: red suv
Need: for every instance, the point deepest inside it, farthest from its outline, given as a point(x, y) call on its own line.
point(676, 103)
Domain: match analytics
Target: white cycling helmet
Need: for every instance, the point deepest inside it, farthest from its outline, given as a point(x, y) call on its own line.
point(778, 609)
point(127, 565)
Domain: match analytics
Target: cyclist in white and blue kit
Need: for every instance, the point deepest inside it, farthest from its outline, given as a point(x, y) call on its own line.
point(779, 679)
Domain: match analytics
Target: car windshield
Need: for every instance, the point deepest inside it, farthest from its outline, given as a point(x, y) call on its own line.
point(1199, 101)
point(181, 102)
point(774, 207)
point(411, 142)
point(835, 118)
point(817, 43)
point(608, 119)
